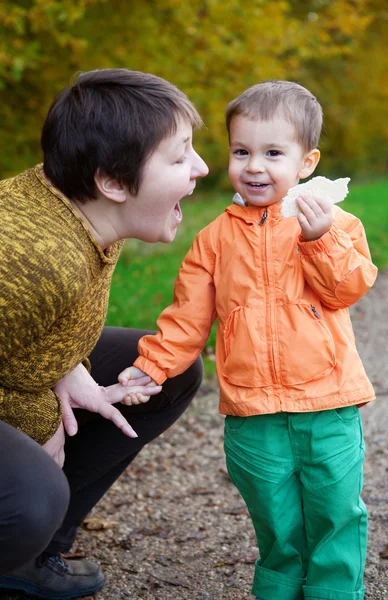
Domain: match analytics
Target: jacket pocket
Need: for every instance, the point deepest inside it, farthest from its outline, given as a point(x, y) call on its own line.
point(246, 349)
point(306, 346)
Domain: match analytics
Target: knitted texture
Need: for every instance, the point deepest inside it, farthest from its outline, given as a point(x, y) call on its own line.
point(54, 291)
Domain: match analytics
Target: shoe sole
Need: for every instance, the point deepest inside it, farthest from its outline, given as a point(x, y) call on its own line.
point(13, 583)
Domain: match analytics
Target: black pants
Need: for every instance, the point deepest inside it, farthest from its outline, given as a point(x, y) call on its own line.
point(100, 452)
point(34, 496)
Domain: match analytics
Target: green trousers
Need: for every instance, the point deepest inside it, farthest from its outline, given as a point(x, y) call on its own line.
point(300, 475)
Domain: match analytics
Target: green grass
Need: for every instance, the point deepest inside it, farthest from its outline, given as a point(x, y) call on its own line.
point(143, 281)
point(369, 202)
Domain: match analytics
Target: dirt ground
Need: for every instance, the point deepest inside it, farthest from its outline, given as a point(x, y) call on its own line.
point(175, 526)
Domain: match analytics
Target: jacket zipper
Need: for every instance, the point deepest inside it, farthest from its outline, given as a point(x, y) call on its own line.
point(315, 312)
point(263, 218)
point(261, 223)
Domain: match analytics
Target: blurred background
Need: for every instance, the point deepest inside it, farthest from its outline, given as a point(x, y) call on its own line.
point(212, 50)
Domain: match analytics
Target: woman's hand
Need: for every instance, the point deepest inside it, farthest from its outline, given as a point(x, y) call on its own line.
point(79, 390)
point(55, 447)
point(127, 377)
point(315, 218)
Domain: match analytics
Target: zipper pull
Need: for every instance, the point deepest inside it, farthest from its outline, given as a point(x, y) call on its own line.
point(264, 217)
point(315, 312)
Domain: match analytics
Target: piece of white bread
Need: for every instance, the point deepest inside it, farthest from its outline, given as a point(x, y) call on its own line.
point(322, 187)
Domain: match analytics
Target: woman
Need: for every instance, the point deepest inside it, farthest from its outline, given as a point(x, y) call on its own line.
point(118, 158)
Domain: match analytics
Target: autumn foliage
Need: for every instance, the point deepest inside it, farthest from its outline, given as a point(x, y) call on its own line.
point(211, 49)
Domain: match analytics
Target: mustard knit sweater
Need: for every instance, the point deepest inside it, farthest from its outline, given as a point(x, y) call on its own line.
point(54, 290)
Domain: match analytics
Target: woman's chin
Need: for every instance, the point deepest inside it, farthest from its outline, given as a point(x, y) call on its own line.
point(169, 236)
point(172, 227)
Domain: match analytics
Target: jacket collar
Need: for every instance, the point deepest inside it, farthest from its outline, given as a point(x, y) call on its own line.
point(253, 214)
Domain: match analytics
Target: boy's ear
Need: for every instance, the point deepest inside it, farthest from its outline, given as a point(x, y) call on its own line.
point(310, 161)
point(109, 187)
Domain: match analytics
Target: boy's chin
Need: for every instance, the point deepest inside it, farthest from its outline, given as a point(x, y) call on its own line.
point(261, 202)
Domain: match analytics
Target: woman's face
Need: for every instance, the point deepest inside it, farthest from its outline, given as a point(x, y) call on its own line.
point(169, 175)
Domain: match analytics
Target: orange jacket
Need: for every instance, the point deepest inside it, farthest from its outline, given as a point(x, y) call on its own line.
point(285, 340)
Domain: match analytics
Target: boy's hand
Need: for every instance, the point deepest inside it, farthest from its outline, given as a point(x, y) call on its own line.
point(133, 398)
point(315, 217)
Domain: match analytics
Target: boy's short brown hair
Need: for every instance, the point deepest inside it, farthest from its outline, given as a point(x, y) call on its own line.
point(298, 106)
point(112, 120)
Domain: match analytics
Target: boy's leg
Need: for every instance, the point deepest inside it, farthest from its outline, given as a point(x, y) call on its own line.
point(335, 515)
point(100, 452)
point(261, 464)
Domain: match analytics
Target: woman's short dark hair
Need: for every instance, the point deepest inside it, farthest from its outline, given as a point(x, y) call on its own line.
point(112, 120)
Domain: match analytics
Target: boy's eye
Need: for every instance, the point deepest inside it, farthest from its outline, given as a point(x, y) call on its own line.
point(240, 152)
point(274, 153)
point(181, 160)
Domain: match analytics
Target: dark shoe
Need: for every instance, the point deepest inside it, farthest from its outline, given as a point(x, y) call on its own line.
point(50, 576)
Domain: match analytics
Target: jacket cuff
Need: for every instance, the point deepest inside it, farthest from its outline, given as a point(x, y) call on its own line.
point(323, 244)
point(149, 367)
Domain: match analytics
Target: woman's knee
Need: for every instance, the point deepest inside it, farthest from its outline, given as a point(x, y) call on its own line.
point(45, 503)
point(33, 513)
point(33, 499)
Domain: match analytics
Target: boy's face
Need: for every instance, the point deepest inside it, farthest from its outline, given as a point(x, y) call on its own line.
point(169, 176)
point(265, 159)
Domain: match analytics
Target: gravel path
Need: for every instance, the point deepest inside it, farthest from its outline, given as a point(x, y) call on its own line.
point(174, 527)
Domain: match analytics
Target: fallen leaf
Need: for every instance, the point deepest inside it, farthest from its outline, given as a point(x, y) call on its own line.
point(97, 524)
point(384, 553)
point(226, 563)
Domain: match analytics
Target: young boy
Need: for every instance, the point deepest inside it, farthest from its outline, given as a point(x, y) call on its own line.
point(289, 373)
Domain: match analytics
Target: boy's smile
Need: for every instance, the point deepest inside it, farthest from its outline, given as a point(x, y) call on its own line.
point(265, 159)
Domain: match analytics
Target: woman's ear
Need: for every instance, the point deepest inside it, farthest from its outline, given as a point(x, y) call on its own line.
point(310, 161)
point(109, 187)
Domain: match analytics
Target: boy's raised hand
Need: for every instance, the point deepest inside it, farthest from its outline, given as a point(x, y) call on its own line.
point(133, 398)
point(315, 217)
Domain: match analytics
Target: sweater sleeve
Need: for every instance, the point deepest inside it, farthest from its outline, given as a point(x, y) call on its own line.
point(183, 327)
point(338, 265)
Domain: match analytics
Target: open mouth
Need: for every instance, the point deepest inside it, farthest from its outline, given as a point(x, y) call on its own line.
point(178, 212)
point(257, 186)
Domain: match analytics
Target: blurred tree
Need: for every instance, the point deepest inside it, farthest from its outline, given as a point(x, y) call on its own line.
point(353, 89)
point(214, 49)
point(211, 49)
point(39, 51)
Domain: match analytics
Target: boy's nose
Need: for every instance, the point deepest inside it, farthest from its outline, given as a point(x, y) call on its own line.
point(255, 165)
